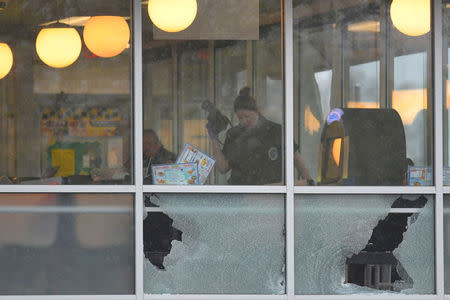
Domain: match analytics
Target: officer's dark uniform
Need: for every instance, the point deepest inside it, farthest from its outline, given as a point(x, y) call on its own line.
point(254, 156)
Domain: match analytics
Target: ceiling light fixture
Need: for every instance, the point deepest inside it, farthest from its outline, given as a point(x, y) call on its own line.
point(6, 60)
point(106, 36)
point(172, 15)
point(411, 17)
point(58, 47)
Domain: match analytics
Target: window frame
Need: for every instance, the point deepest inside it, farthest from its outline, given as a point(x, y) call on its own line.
point(288, 190)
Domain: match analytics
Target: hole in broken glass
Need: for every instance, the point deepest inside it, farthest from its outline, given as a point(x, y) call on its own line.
point(158, 235)
point(376, 266)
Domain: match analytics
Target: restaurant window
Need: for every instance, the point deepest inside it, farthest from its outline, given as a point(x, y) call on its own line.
point(305, 131)
point(66, 244)
point(369, 121)
point(214, 244)
point(65, 102)
point(368, 244)
point(212, 97)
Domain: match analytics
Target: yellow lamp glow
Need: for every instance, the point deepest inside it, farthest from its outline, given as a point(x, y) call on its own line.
point(58, 47)
point(106, 36)
point(409, 103)
point(6, 60)
point(172, 15)
point(336, 150)
point(411, 17)
point(311, 123)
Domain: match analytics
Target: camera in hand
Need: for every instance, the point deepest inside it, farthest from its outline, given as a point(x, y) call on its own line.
point(215, 117)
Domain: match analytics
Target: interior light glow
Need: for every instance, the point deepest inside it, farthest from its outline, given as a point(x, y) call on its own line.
point(411, 17)
point(365, 26)
point(58, 47)
point(72, 21)
point(106, 36)
point(448, 94)
point(312, 124)
point(409, 103)
point(336, 150)
point(6, 60)
point(363, 104)
point(172, 15)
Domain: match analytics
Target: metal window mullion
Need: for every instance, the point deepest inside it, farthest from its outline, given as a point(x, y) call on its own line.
point(215, 189)
point(382, 100)
point(175, 97)
point(73, 189)
point(138, 157)
point(364, 190)
point(69, 297)
point(215, 297)
point(379, 296)
point(438, 145)
point(289, 145)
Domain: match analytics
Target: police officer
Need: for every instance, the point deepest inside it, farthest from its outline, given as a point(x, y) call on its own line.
point(253, 149)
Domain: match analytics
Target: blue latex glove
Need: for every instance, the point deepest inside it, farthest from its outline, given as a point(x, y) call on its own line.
point(211, 131)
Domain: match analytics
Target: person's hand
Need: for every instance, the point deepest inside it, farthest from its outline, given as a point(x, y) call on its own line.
point(211, 131)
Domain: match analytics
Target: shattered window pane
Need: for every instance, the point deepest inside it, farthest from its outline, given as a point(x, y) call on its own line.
point(214, 244)
point(364, 244)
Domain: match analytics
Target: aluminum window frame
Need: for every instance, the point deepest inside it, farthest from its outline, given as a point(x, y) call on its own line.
point(288, 190)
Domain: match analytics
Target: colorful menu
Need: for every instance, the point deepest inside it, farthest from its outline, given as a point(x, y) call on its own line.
point(420, 176)
point(191, 154)
point(180, 174)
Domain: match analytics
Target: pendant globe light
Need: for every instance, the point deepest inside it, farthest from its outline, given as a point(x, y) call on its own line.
point(106, 36)
point(58, 47)
point(411, 17)
point(172, 15)
point(6, 60)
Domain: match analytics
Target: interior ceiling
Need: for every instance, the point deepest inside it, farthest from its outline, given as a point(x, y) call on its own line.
point(20, 16)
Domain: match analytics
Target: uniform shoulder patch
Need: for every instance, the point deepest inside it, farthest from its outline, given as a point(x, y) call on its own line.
point(273, 153)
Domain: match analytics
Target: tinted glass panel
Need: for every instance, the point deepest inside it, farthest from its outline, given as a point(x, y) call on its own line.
point(193, 79)
point(56, 244)
point(447, 243)
point(65, 92)
point(363, 78)
point(446, 88)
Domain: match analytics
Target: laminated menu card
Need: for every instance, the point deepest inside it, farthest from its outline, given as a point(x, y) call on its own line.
point(420, 176)
point(191, 154)
point(185, 173)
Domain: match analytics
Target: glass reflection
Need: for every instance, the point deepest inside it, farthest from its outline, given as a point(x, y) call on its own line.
point(349, 56)
point(214, 244)
point(194, 79)
point(368, 244)
point(65, 105)
point(446, 88)
point(447, 243)
point(57, 244)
